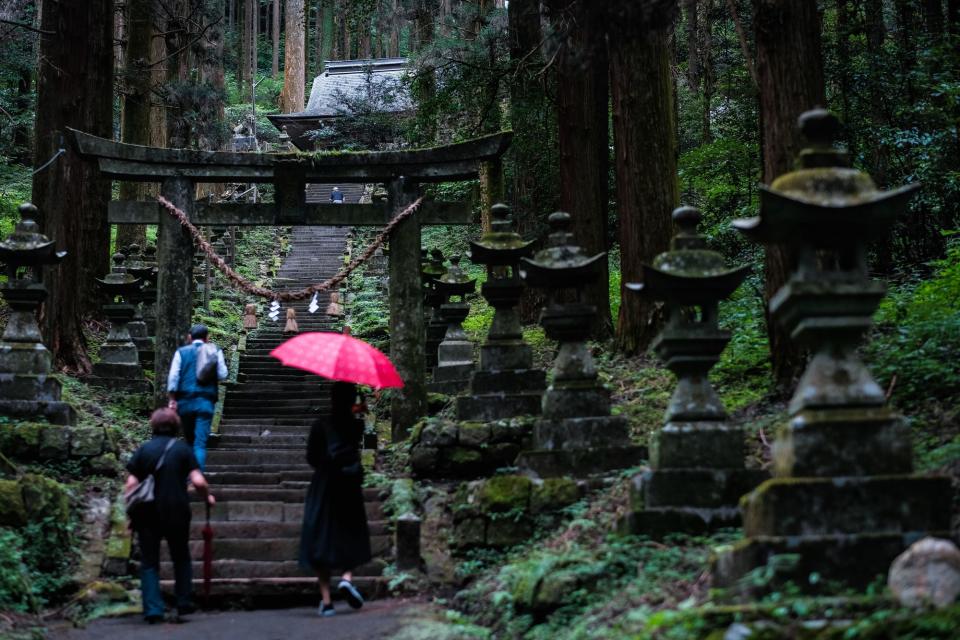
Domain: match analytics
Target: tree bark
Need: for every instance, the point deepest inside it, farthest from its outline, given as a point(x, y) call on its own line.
point(246, 20)
point(582, 118)
point(275, 69)
point(707, 76)
point(291, 98)
point(953, 17)
point(790, 74)
point(395, 30)
point(933, 18)
point(137, 108)
point(693, 53)
point(74, 89)
point(645, 134)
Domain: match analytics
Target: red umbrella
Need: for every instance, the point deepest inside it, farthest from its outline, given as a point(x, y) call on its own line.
point(339, 357)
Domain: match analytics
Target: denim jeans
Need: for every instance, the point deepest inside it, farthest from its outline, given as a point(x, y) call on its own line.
point(196, 431)
point(177, 535)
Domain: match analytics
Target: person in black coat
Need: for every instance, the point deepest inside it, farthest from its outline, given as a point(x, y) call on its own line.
point(335, 532)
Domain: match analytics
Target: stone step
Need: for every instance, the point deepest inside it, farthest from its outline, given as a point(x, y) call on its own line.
point(255, 430)
point(254, 457)
point(272, 441)
point(264, 569)
point(266, 549)
point(220, 478)
point(267, 422)
point(256, 530)
point(273, 591)
point(265, 511)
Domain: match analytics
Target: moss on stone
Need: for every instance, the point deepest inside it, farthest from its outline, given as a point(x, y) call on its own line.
point(463, 456)
point(87, 441)
point(55, 443)
point(12, 511)
point(505, 493)
point(554, 493)
point(21, 440)
point(44, 497)
point(474, 433)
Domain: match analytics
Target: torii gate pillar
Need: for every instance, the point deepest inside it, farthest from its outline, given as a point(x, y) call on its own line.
point(174, 280)
point(407, 331)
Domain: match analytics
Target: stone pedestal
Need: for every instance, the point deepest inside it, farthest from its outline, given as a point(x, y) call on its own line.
point(843, 503)
point(119, 366)
point(455, 353)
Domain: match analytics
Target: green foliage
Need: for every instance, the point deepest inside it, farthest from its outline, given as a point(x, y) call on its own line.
point(35, 564)
point(742, 376)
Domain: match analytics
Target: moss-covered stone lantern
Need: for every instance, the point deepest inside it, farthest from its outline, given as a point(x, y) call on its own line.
point(430, 271)
point(140, 299)
point(27, 388)
point(505, 385)
point(697, 459)
point(119, 365)
point(576, 434)
point(843, 501)
point(455, 353)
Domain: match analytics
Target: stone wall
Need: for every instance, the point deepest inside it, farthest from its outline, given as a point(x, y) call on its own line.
point(442, 448)
point(502, 511)
point(32, 498)
point(93, 447)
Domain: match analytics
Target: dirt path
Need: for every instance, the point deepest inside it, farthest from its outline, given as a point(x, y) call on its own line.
point(379, 619)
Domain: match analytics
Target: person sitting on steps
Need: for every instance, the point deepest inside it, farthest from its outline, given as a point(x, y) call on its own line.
point(192, 399)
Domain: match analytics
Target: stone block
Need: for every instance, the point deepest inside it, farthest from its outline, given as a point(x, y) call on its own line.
point(505, 355)
point(12, 510)
point(469, 533)
point(21, 440)
point(553, 494)
point(449, 387)
point(702, 488)
point(513, 431)
point(508, 532)
point(501, 494)
point(581, 433)
point(54, 412)
point(106, 464)
point(838, 506)
point(41, 388)
point(30, 358)
point(44, 498)
point(475, 434)
point(461, 460)
point(843, 442)
point(928, 573)
point(497, 406)
point(407, 542)
point(697, 444)
point(423, 459)
point(561, 403)
point(499, 455)
point(439, 434)
point(87, 441)
point(657, 523)
point(581, 462)
point(55, 443)
point(512, 381)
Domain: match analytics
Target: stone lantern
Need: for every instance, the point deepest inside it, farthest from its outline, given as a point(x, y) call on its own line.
point(119, 366)
point(576, 433)
point(506, 385)
point(149, 275)
point(697, 459)
point(843, 500)
point(27, 388)
point(455, 353)
point(430, 271)
point(140, 298)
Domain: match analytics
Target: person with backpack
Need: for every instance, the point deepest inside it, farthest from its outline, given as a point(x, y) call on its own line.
point(159, 509)
point(192, 384)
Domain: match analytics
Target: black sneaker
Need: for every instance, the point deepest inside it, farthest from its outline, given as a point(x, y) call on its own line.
point(155, 619)
point(187, 610)
point(326, 610)
point(350, 594)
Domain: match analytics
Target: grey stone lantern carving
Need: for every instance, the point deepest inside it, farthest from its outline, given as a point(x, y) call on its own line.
point(430, 271)
point(697, 459)
point(137, 327)
point(843, 498)
point(576, 433)
point(455, 353)
point(27, 388)
point(505, 385)
point(119, 365)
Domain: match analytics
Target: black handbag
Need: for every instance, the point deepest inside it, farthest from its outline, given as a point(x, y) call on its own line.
point(143, 493)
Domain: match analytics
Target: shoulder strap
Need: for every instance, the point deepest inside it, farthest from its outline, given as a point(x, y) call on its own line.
point(164, 455)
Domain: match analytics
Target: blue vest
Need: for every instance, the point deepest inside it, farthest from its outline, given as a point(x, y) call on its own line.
point(189, 388)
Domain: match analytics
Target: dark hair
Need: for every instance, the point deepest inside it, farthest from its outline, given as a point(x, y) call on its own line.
point(165, 422)
point(342, 397)
point(198, 332)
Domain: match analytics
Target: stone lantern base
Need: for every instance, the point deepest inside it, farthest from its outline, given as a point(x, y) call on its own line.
point(696, 482)
point(119, 367)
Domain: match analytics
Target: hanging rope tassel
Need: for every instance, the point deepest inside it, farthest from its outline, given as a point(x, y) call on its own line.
point(240, 282)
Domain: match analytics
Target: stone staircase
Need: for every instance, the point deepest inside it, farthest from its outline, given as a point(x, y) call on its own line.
point(257, 465)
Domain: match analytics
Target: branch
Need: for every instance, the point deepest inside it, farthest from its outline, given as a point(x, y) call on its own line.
point(28, 27)
point(184, 47)
point(743, 43)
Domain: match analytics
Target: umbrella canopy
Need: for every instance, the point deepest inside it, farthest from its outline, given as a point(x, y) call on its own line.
point(339, 357)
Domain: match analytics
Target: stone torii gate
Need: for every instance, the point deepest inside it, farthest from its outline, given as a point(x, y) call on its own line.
point(180, 170)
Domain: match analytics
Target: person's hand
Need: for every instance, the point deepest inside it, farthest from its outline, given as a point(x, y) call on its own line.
point(211, 500)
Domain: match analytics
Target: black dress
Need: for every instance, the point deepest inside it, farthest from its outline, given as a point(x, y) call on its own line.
point(335, 533)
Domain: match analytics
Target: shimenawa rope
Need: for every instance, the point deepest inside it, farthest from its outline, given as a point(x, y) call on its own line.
point(287, 296)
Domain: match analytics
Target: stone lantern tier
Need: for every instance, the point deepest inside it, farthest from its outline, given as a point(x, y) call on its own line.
point(150, 288)
point(27, 388)
point(119, 365)
point(576, 433)
point(455, 352)
point(843, 498)
point(436, 327)
point(697, 460)
point(506, 385)
point(141, 298)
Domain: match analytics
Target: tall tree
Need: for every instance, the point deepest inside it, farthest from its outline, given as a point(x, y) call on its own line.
point(74, 89)
point(275, 69)
point(789, 68)
point(645, 134)
point(137, 108)
point(582, 116)
point(294, 62)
